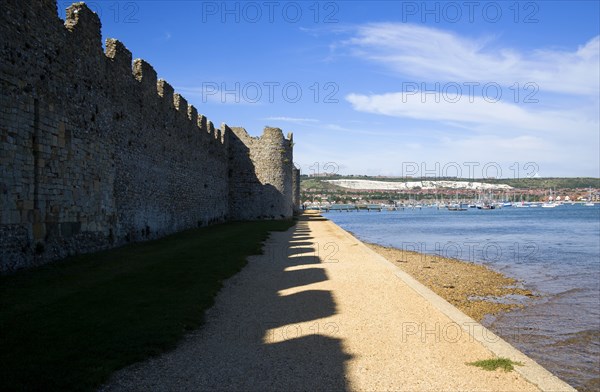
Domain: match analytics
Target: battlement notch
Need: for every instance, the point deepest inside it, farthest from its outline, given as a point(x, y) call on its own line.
point(180, 103)
point(192, 113)
point(119, 55)
point(85, 25)
point(225, 133)
point(166, 91)
point(144, 73)
point(202, 123)
point(211, 129)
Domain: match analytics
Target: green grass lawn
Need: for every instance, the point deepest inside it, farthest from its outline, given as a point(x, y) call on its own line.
point(69, 325)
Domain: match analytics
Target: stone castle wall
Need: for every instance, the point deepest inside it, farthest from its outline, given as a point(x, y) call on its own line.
point(296, 189)
point(262, 185)
point(96, 152)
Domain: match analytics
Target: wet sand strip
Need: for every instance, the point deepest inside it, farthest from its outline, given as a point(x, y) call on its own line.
point(475, 289)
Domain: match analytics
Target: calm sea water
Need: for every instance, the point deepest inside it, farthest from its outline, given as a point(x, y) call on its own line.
point(555, 252)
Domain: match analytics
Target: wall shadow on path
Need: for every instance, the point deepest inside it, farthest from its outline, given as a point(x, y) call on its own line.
point(309, 356)
point(268, 331)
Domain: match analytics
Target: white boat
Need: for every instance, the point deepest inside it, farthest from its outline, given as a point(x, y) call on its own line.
point(550, 203)
point(456, 207)
point(589, 203)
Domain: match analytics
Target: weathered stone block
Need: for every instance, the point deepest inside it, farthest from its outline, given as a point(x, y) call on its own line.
point(119, 55)
point(39, 231)
point(145, 74)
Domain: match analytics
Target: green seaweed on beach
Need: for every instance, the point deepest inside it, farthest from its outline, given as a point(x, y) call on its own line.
point(492, 364)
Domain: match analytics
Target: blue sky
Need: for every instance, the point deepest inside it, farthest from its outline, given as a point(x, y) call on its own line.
point(479, 89)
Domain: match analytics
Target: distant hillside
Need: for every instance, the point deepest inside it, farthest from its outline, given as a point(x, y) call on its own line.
point(362, 184)
point(316, 183)
point(521, 183)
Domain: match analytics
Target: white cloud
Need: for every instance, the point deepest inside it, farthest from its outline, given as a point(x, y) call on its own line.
point(167, 36)
point(292, 119)
point(479, 115)
point(429, 54)
point(478, 155)
point(561, 137)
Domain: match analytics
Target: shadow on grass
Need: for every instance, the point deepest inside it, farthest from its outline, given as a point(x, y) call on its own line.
point(270, 330)
point(69, 325)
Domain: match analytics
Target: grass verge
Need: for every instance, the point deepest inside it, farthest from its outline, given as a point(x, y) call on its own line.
point(492, 364)
point(69, 325)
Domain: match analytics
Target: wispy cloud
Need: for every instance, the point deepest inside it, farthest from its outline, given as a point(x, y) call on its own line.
point(430, 54)
point(292, 119)
point(561, 135)
point(478, 115)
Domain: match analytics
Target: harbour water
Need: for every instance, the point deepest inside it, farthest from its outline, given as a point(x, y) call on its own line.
point(554, 252)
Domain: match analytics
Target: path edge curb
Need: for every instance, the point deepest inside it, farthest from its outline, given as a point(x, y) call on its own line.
point(531, 371)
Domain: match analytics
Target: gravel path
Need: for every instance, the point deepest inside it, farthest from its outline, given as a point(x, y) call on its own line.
point(320, 311)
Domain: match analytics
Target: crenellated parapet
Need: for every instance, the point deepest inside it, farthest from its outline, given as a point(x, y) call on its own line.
point(85, 31)
point(85, 26)
point(145, 74)
point(119, 56)
point(102, 152)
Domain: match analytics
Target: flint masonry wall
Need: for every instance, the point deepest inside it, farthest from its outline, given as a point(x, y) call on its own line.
point(261, 183)
point(296, 189)
point(95, 152)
